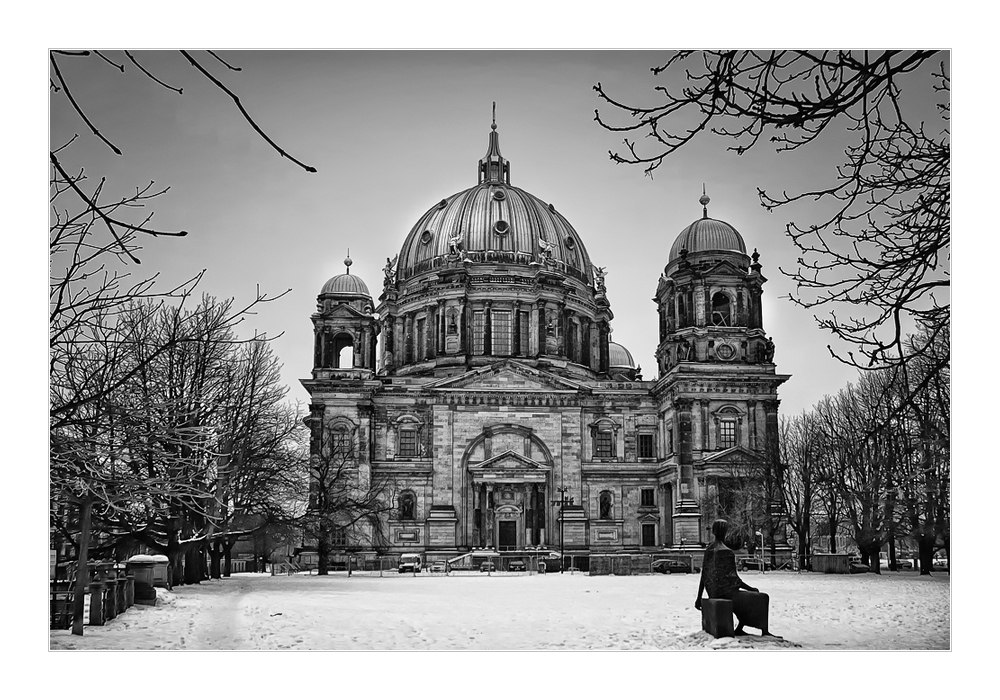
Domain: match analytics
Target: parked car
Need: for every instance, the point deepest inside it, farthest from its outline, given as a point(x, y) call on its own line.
point(939, 564)
point(487, 566)
point(516, 565)
point(439, 567)
point(409, 563)
point(857, 566)
point(671, 566)
point(755, 563)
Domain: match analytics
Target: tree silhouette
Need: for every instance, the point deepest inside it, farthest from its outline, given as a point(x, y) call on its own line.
point(883, 252)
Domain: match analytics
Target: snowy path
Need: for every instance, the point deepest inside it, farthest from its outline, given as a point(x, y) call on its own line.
point(813, 611)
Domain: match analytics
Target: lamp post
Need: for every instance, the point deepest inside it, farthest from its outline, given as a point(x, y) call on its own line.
point(562, 502)
point(761, 536)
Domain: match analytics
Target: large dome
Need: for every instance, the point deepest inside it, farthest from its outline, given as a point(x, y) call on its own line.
point(493, 217)
point(707, 234)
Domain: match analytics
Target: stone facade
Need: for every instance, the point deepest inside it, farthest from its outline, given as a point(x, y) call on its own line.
point(494, 391)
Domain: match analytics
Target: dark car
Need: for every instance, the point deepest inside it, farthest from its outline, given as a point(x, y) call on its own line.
point(671, 566)
point(755, 563)
point(516, 565)
point(487, 566)
point(857, 566)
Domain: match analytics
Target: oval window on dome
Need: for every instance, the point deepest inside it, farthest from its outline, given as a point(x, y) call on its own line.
point(442, 204)
point(426, 237)
point(570, 243)
point(501, 228)
point(499, 195)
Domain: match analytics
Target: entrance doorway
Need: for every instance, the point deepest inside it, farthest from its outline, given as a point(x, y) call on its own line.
point(507, 532)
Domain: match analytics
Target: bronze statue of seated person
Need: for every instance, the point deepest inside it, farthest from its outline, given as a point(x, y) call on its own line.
point(720, 580)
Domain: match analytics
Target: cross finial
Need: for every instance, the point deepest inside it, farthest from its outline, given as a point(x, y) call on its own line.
point(494, 115)
point(348, 261)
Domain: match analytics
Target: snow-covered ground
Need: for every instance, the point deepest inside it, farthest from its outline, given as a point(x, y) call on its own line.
point(475, 611)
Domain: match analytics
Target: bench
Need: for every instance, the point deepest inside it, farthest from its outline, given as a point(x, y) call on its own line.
point(717, 617)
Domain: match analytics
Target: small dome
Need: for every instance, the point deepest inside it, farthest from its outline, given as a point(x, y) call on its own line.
point(707, 235)
point(619, 357)
point(346, 285)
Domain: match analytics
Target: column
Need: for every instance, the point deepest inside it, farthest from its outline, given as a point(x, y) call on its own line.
point(488, 514)
point(399, 340)
point(687, 516)
point(543, 506)
point(442, 325)
point(540, 328)
point(515, 331)
point(488, 327)
point(605, 331)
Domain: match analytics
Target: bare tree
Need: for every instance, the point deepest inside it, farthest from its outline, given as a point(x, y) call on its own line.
point(346, 503)
point(93, 240)
point(800, 453)
point(879, 262)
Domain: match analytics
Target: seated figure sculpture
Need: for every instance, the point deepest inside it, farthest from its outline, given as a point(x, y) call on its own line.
point(720, 580)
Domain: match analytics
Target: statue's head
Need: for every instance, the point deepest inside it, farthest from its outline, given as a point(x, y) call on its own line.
point(719, 528)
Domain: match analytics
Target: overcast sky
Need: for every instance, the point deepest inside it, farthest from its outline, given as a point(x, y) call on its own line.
point(391, 134)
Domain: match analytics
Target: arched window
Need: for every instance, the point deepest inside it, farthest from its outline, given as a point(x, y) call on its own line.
point(722, 314)
point(407, 506)
point(606, 505)
point(343, 348)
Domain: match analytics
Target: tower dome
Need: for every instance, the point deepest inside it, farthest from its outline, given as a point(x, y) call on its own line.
point(346, 284)
point(705, 234)
point(619, 357)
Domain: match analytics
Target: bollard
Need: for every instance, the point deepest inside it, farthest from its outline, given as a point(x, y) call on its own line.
point(96, 600)
point(129, 590)
point(110, 599)
point(120, 595)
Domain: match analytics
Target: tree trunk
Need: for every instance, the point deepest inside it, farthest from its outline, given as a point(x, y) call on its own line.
point(215, 552)
point(80, 586)
point(227, 551)
point(191, 568)
point(323, 551)
point(925, 549)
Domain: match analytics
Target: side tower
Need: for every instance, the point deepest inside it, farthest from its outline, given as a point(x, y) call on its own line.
point(717, 387)
point(340, 411)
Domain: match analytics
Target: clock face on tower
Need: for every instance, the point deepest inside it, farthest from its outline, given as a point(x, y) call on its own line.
point(725, 352)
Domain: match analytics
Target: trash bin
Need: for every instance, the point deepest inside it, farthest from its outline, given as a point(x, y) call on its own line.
point(161, 571)
point(141, 566)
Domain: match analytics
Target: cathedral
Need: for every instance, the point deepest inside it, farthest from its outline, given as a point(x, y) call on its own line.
point(483, 389)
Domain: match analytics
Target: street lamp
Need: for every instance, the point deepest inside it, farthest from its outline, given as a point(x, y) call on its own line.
point(562, 502)
point(761, 536)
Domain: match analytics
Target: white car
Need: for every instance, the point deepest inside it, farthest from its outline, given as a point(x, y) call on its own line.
point(409, 563)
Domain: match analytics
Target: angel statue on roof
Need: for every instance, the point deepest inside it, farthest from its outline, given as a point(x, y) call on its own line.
point(389, 270)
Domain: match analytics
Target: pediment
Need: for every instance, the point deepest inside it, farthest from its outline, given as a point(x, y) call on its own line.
point(508, 376)
point(724, 267)
point(733, 456)
point(343, 311)
point(506, 462)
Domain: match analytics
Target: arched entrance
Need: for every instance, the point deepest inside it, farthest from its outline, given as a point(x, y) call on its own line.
point(508, 472)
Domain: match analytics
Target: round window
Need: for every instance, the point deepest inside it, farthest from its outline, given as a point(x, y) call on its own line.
point(501, 228)
point(499, 195)
point(426, 237)
point(570, 243)
point(725, 352)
